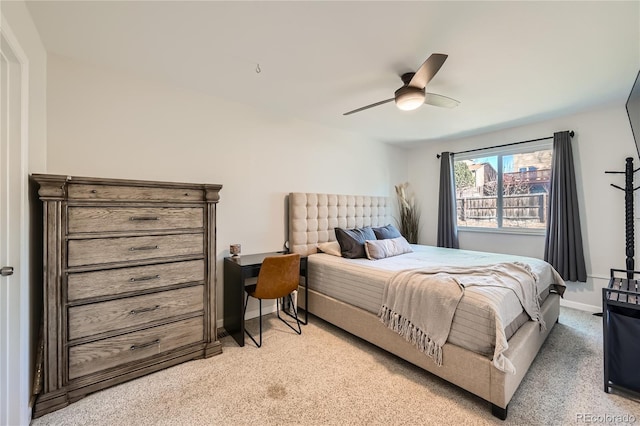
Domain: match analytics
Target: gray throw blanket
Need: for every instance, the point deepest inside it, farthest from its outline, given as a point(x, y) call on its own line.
point(419, 304)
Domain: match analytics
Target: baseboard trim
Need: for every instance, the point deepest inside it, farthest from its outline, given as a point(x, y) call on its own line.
point(580, 306)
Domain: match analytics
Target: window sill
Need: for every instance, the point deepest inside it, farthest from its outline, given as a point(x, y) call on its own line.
point(511, 231)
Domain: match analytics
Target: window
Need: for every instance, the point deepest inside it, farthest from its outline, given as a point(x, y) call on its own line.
point(505, 188)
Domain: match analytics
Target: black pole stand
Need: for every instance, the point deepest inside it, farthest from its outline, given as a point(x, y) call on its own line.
point(628, 207)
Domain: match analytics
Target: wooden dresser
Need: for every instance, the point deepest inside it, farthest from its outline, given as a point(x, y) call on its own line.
point(129, 281)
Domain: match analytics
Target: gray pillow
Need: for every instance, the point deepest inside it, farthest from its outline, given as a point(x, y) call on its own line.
point(386, 232)
point(352, 241)
point(380, 249)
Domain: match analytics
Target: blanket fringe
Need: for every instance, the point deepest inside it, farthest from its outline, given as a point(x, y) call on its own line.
point(411, 333)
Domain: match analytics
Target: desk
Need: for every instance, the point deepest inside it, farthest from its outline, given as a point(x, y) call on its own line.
point(236, 271)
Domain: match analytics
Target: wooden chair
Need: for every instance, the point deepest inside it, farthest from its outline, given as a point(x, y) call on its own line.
point(279, 276)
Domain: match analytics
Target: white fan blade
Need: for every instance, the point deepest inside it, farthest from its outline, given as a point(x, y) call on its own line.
point(440, 101)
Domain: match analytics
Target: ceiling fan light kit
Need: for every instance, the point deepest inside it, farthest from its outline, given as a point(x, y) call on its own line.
point(409, 98)
point(412, 94)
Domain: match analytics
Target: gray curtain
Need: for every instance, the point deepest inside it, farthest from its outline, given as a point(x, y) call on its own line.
point(447, 215)
point(563, 242)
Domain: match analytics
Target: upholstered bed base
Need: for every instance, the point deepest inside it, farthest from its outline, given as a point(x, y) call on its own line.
point(471, 371)
point(312, 218)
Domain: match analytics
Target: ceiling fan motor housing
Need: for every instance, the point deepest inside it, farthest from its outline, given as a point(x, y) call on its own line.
point(409, 98)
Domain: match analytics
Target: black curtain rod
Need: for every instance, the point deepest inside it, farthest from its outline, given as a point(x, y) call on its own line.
point(571, 133)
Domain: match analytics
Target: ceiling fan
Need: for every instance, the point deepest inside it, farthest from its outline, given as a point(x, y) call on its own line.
point(412, 94)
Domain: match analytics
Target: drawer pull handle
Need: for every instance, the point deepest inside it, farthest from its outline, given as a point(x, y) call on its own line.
point(151, 277)
point(140, 311)
point(144, 248)
point(144, 218)
point(144, 345)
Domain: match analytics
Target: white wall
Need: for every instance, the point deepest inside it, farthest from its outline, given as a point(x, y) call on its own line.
point(108, 124)
point(602, 142)
point(18, 21)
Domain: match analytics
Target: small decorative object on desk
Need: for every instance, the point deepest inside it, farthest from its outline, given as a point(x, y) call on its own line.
point(234, 249)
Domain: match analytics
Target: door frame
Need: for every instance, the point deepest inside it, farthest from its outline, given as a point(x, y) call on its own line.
point(20, 357)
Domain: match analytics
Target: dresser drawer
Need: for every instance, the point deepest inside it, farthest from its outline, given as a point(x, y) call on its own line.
point(96, 356)
point(116, 281)
point(132, 193)
point(108, 219)
point(96, 318)
point(108, 250)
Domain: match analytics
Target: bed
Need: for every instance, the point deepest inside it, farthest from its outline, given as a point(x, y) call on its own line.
point(348, 294)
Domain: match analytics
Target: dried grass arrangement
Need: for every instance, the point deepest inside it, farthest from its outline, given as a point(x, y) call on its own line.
point(409, 223)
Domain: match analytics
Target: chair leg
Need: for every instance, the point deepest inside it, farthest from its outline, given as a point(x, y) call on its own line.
point(293, 308)
point(295, 313)
point(245, 330)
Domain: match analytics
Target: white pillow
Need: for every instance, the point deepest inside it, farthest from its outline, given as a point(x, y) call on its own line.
point(380, 249)
point(331, 247)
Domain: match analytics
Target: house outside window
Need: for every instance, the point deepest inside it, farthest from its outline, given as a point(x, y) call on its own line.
point(504, 189)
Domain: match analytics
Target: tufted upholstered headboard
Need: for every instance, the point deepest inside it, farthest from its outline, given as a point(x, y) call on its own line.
point(313, 217)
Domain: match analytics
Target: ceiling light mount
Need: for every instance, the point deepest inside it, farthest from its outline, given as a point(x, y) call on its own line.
point(406, 77)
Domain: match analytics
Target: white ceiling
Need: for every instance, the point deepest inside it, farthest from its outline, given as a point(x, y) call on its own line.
point(510, 63)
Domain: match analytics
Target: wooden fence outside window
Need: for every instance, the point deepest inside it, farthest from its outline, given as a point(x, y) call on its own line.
point(524, 210)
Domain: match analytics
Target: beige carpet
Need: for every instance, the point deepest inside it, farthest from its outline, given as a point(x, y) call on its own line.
point(328, 377)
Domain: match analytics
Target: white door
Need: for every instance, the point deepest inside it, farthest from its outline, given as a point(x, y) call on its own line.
point(14, 369)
